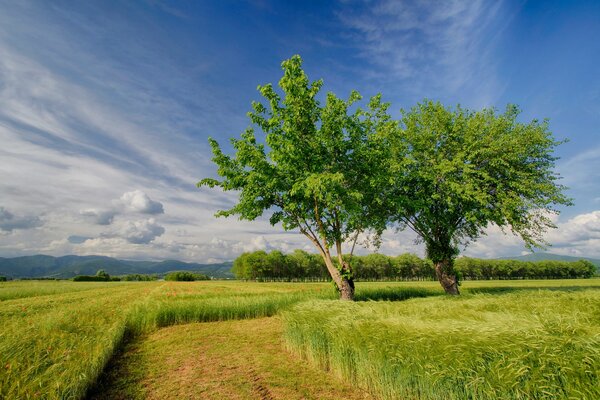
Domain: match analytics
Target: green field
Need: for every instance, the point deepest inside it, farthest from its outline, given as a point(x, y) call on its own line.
point(499, 339)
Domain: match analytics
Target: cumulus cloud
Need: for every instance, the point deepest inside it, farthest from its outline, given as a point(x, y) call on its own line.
point(579, 235)
point(10, 221)
point(139, 201)
point(140, 232)
point(130, 202)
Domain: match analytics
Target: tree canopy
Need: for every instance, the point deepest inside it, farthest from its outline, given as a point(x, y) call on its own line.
point(454, 172)
point(334, 174)
point(316, 170)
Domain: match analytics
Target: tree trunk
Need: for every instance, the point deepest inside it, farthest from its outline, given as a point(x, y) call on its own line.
point(347, 289)
point(445, 273)
point(344, 282)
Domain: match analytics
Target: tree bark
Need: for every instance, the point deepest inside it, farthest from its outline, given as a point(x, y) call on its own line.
point(344, 283)
point(347, 289)
point(445, 273)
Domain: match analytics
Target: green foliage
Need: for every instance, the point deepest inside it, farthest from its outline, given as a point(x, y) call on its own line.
point(260, 265)
point(90, 278)
point(455, 171)
point(458, 171)
point(185, 276)
point(102, 274)
point(473, 268)
point(301, 266)
point(3, 279)
point(316, 170)
point(139, 277)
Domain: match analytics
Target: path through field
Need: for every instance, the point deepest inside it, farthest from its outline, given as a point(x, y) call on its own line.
point(218, 360)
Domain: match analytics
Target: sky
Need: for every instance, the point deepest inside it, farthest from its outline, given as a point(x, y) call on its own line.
point(106, 108)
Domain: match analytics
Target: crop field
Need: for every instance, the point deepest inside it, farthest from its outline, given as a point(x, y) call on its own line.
point(218, 339)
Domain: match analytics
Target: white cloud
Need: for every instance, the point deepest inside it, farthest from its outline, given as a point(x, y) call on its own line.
point(581, 233)
point(431, 46)
point(140, 232)
point(130, 202)
point(139, 201)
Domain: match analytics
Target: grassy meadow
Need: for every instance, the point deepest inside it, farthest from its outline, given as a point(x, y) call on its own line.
point(499, 339)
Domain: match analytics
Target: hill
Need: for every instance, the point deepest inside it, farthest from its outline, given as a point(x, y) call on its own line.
point(39, 266)
point(550, 256)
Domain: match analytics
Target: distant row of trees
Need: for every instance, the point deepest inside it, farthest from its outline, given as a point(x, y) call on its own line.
point(300, 265)
point(103, 276)
point(474, 268)
point(186, 276)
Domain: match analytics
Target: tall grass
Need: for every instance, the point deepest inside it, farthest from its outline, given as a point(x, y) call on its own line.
point(20, 289)
point(56, 346)
point(57, 337)
point(523, 344)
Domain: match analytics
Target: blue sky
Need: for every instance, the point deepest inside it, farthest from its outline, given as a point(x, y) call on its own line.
point(106, 107)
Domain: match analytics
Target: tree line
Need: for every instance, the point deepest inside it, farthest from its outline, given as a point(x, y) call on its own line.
point(103, 276)
point(303, 266)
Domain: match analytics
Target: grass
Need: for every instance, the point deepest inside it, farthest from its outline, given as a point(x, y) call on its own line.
point(57, 337)
point(525, 343)
point(224, 360)
point(20, 289)
point(56, 346)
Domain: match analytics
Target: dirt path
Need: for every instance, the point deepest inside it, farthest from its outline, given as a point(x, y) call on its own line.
point(222, 360)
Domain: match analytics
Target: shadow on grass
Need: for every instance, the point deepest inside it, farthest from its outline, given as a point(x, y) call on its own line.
point(400, 294)
point(394, 294)
point(512, 289)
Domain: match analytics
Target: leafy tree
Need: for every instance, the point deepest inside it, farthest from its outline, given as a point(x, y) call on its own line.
point(278, 264)
point(102, 274)
point(316, 172)
point(457, 171)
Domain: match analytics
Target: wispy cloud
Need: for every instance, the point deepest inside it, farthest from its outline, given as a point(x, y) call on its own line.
point(105, 111)
point(80, 126)
point(429, 48)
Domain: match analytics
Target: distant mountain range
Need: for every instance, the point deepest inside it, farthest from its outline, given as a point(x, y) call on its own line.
point(550, 256)
point(39, 266)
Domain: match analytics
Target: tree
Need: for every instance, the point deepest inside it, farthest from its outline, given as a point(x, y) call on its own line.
point(315, 174)
point(455, 172)
point(102, 274)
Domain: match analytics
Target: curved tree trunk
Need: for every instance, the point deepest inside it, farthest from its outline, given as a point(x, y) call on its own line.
point(344, 282)
point(446, 276)
point(347, 289)
point(342, 279)
point(346, 286)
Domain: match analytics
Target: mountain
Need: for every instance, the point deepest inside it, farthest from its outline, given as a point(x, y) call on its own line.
point(550, 256)
point(39, 266)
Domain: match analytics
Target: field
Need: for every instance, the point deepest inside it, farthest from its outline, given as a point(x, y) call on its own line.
point(217, 339)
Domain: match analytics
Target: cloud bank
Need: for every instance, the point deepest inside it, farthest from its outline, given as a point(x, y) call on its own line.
point(10, 221)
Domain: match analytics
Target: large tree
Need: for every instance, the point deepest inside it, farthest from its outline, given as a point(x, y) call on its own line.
point(316, 169)
point(454, 172)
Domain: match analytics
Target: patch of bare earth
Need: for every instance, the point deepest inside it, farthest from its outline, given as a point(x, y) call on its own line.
point(220, 360)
